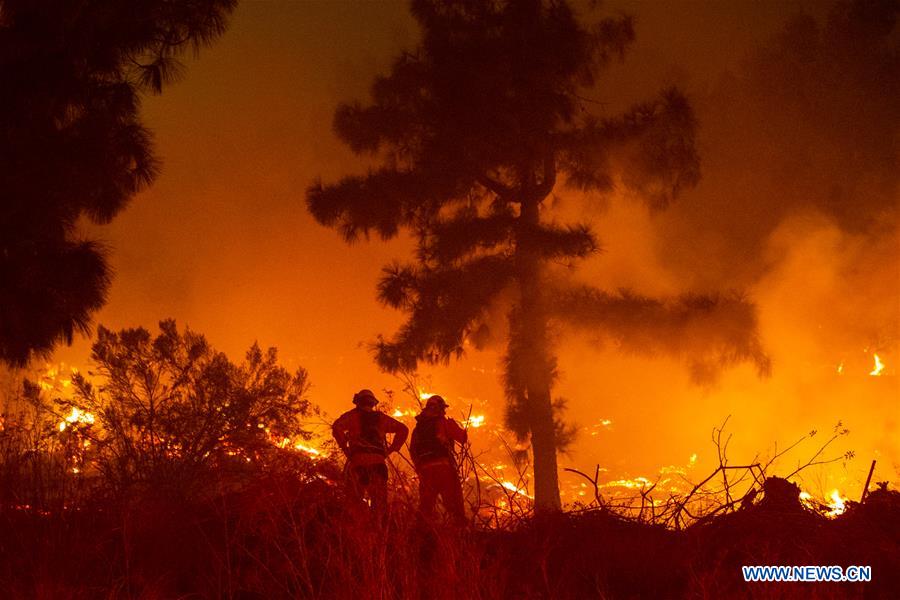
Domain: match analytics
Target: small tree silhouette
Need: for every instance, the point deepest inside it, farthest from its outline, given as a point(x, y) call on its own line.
point(473, 131)
point(170, 407)
point(74, 146)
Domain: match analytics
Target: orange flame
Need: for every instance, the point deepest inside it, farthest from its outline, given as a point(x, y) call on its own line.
point(509, 485)
point(837, 505)
point(879, 366)
point(76, 416)
point(834, 505)
point(475, 421)
point(313, 452)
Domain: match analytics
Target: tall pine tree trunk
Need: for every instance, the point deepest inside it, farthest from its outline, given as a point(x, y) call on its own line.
point(539, 364)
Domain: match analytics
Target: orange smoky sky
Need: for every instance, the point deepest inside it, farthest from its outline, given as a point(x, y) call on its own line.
point(222, 242)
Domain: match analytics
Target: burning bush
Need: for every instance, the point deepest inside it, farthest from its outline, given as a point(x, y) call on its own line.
point(40, 450)
point(170, 407)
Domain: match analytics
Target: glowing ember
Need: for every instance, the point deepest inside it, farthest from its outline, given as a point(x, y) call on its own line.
point(840, 369)
point(636, 483)
point(879, 366)
point(602, 424)
point(299, 446)
point(509, 485)
point(315, 453)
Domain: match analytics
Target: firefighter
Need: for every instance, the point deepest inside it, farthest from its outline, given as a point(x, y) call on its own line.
point(431, 449)
point(361, 433)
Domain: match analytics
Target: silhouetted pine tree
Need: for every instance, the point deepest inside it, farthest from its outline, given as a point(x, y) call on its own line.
point(71, 76)
point(474, 130)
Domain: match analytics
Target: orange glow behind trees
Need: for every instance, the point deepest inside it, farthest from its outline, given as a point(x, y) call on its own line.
point(474, 131)
point(221, 242)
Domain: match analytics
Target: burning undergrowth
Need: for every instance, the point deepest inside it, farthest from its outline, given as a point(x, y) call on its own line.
point(271, 519)
point(289, 532)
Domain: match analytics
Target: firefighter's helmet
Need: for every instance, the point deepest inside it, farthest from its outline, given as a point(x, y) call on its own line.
point(365, 398)
point(436, 402)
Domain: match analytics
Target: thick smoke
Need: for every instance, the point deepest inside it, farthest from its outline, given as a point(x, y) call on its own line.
point(808, 127)
point(798, 209)
point(802, 181)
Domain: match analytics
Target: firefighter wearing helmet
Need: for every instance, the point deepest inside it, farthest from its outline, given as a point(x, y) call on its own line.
point(431, 449)
point(361, 433)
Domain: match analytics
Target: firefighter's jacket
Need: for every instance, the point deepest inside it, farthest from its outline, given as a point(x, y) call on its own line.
point(362, 436)
point(434, 437)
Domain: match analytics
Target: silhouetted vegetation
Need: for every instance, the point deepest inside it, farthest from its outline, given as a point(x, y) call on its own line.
point(473, 131)
point(168, 470)
point(164, 411)
point(282, 528)
point(74, 146)
point(171, 409)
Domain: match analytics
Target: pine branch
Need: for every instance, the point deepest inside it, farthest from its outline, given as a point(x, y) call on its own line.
point(710, 332)
point(381, 201)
